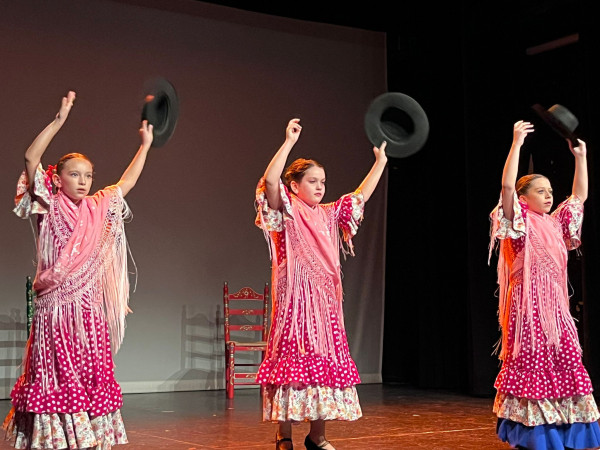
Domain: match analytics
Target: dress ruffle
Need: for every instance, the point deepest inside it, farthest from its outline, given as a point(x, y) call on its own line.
point(308, 370)
point(67, 397)
point(548, 383)
point(298, 404)
point(73, 431)
point(558, 411)
point(25, 205)
point(549, 436)
point(503, 228)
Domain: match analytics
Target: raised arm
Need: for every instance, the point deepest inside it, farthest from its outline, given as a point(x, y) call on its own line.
point(33, 155)
point(369, 184)
point(277, 164)
point(134, 170)
point(580, 179)
point(511, 166)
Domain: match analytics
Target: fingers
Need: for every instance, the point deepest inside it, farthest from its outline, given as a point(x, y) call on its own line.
point(71, 97)
point(523, 126)
point(293, 129)
point(294, 124)
point(147, 127)
point(68, 101)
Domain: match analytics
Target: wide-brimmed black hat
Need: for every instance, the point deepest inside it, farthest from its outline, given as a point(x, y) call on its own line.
point(400, 121)
point(161, 109)
point(560, 119)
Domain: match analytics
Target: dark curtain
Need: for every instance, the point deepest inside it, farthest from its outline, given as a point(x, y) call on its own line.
point(474, 77)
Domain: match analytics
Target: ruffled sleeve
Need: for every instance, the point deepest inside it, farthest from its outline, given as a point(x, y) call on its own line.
point(349, 210)
point(349, 213)
point(25, 205)
point(569, 214)
point(267, 218)
point(502, 228)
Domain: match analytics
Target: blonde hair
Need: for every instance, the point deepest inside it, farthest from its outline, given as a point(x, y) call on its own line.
point(524, 183)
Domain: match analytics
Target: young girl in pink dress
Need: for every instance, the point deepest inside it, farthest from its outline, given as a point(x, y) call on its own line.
point(308, 373)
point(544, 395)
point(67, 396)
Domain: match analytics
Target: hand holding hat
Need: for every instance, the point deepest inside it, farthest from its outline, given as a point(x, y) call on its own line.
point(161, 110)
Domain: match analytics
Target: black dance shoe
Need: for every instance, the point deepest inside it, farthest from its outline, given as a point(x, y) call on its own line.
point(280, 443)
point(310, 445)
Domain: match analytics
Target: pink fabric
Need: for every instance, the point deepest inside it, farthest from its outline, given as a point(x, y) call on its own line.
point(85, 223)
point(307, 342)
point(85, 376)
point(312, 225)
point(540, 348)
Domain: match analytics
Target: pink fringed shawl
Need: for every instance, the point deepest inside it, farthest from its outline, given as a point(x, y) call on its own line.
point(534, 275)
point(82, 254)
point(312, 269)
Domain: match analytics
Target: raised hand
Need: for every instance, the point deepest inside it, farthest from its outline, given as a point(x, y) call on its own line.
point(146, 133)
point(580, 150)
point(520, 130)
point(293, 130)
point(65, 107)
point(380, 155)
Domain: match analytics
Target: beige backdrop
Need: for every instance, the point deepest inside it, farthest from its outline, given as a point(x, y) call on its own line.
point(240, 77)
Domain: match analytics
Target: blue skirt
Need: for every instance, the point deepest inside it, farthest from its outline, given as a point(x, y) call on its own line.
point(549, 436)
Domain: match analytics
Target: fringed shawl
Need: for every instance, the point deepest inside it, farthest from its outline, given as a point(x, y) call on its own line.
point(532, 272)
point(311, 239)
point(82, 254)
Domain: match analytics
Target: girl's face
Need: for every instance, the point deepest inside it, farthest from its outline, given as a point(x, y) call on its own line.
point(539, 197)
point(75, 179)
point(311, 187)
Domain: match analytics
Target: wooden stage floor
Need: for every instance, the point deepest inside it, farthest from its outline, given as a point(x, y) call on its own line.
point(394, 417)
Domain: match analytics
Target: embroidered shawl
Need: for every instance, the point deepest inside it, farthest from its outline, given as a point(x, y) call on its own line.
point(532, 271)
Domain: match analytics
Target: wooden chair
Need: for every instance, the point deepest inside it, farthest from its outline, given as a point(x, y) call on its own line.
point(246, 321)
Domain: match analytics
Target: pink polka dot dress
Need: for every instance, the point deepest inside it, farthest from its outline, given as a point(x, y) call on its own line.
point(67, 396)
point(544, 393)
point(308, 373)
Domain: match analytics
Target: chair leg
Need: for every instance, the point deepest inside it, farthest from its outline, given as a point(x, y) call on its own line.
point(227, 374)
point(231, 371)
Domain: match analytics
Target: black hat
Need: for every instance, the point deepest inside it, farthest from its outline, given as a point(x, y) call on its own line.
point(400, 121)
point(161, 109)
point(561, 120)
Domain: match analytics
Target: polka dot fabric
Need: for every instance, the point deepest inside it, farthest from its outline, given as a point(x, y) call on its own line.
point(292, 366)
point(84, 371)
point(81, 407)
point(540, 371)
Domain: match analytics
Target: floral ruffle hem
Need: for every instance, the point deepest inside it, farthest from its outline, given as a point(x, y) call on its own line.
point(308, 403)
point(532, 412)
point(65, 431)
